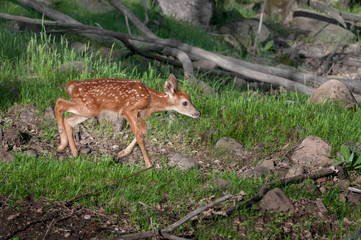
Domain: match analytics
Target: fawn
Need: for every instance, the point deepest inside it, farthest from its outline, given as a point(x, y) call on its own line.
point(129, 98)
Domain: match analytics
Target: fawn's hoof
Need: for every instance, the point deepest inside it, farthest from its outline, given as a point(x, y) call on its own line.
point(60, 148)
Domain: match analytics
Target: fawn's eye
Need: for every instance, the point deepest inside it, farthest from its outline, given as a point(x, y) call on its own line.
point(185, 103)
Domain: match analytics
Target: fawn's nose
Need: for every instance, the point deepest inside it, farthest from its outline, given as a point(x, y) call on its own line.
point(196, 114)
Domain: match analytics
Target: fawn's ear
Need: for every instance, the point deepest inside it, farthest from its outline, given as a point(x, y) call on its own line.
point(170, 85)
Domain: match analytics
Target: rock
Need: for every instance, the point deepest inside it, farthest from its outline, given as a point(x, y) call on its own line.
point(242, 32)
point(358, 180)
point(31, 153)
point(313, 152)
point(196, 12)
point(6, 156)
point(221, 183)
point(29, 115)
point(333, 90)
point(79, 47)
point(353, 198)
point(262, 172)
point(49, 115)
point(270, 164)
point(281, 10)
point(343, 184)
point(181, 161)
point(230, 144)
point(204, 64)
point(74, 66)
point(109, 53)
point(295, 171)
point(239, 82)
point(315, 25)
point(276, 200)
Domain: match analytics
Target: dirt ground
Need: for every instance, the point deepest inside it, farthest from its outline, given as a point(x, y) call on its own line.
point(30, 219)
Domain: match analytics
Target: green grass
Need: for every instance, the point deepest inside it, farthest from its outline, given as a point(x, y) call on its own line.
point(30, 74)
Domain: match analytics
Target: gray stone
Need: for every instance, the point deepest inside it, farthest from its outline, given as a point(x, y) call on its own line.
point(281, 10)
point(295, 171)
point(204, 64)
point(239, 82)
point(318, 26)
point(196, 12)
point(343, 184)
point(6, 156)
point(270, 164)
point(181, 161)
point(276, 200)
point(49, 115)
point(333, 90)
point(221, 183)
point(242, 32)
point(79, 47)
point(31, 153)
point(262, 172)
point(230, 144)
point(353, 198)
point(313, 152)
point(28, 115)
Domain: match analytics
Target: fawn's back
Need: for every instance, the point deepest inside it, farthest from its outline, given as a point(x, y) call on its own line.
point(108, 94)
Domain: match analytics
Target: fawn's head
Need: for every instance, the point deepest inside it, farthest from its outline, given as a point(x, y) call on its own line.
point(180, 100)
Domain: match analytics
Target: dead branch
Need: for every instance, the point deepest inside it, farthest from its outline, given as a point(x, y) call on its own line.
point(233, 65)
point(179, 54)
point(323, 172)
point(55, 220)
point(146, 20)
point(166, 232)
point(185, 60)
point(330, 11)
point(326, 64)
point(351, 17)
point(260, 24)
point(132, 17)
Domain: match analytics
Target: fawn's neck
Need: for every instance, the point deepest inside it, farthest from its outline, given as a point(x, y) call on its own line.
point(159, 102)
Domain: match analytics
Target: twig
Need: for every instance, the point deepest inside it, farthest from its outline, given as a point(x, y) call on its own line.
point(69, 201)
point(196, 212)
point(325, 65)
point(145, 12)
point(323, 172)
point(246, 69)
point(127, 23)
point(48, 230)
point(260, 25)
point(166, 232)
point(54, 221)
point(151, 224)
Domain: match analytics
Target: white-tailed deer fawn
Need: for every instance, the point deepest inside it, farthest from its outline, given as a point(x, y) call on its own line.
point(129, 98)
